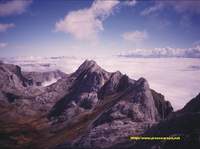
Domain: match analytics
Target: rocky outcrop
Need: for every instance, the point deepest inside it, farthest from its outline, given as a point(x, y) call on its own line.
point(125, 106)
point(183, 123)
point(19, 93)
point(88, 80)
point(90, 108)
point(116, 83)
point(131, 114)
point(11, 77)
point(193, 105)
point(164, 107)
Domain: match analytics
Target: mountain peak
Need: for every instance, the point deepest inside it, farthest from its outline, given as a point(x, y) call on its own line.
point(90, 66)
point(89, 62)
point(142, 83)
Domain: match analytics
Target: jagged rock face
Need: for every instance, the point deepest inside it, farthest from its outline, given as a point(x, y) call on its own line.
point(93, 84)
point(116, 83)
point(132, 115)
point(26, 98)
point(11, 77)
point(24, 106)
point(90, 77)
point(13, 84)
point(111, 85)
point(183, 123)
point(139, 104)
point(164, 107)
point(96, 108)
point(88, 80)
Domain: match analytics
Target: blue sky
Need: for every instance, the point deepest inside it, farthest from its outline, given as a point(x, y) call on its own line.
point(101, 27)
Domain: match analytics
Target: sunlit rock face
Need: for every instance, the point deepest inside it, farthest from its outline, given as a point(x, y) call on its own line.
point(183, 123)
point(87, 81)
point(131, 114)
point(96, 108)
point(11, 76)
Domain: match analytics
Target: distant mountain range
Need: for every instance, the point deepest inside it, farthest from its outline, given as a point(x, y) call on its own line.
point(89, 109)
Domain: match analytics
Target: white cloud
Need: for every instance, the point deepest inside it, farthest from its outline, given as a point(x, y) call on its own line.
point(86, 23)
point(13, 7)
point(130, 2)
point(193, 52)
point(135, 36)
point(5, 27)
point(3, 45)
point(156, 7)
point(180, 6)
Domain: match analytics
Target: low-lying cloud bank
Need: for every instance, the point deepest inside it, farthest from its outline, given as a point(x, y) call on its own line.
point(193, 52)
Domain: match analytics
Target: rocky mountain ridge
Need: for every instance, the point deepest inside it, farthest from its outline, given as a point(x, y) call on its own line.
point(90, 108)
